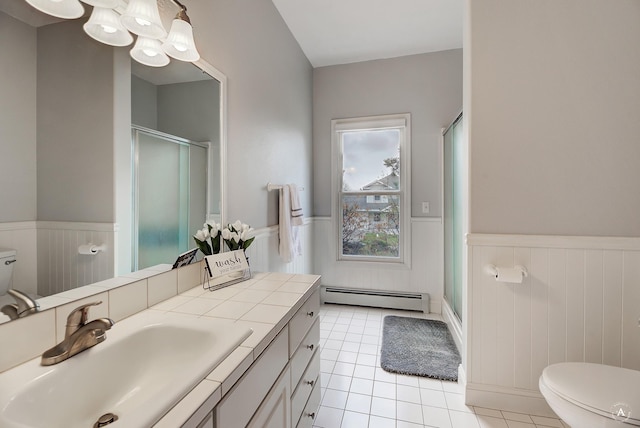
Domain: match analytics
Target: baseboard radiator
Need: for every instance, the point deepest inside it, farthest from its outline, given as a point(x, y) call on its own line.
point(375, 298)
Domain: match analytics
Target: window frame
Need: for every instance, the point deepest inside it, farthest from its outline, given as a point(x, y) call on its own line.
point(380, 122)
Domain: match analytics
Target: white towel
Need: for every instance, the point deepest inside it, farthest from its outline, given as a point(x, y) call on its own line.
point(296, 209)
point(285, 233)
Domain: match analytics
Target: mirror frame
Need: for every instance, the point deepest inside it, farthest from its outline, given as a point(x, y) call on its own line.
point(220, 77)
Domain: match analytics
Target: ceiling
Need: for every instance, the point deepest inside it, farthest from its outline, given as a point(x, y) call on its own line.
point(344, 31)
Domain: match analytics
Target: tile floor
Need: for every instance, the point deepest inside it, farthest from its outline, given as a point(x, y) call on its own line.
point(357, 393)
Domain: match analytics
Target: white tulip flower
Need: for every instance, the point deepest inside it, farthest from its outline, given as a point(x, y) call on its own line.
point(215, 227)
point(246, 234)
point(200, 236)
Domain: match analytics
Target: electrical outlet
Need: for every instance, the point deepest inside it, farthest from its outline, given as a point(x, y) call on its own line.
point(425, 208)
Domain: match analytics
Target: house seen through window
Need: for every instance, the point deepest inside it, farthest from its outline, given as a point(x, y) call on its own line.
point(372, 187)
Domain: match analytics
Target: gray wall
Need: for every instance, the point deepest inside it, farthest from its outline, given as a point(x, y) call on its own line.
point(75, 86)
point(554, 100)
point(269, 103)
point(144, 103)
point(18, 51)
point(429, 86)
point(189, 110)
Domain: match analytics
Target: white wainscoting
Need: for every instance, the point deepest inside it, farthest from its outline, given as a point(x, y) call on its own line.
point(263, 252)
point(22, 237)
point(424, 276)
point(580, 302)
point(60, 267)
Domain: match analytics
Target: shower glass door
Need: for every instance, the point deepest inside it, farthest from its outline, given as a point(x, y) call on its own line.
point(453, 203)
point(170, 182)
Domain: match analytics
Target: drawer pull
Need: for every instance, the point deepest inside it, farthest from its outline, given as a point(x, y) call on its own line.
point(310, 347)
point(311, 415)
point(310, 313)
point(310, 382)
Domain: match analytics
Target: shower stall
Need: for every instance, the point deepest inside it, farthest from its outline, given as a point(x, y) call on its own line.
point(169, 195)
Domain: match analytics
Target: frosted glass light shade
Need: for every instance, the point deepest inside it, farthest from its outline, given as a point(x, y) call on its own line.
point(104, 26)
point(142, 18)
point(149, 52)
point(107, 4)
point(66, 9)
point(180, 44)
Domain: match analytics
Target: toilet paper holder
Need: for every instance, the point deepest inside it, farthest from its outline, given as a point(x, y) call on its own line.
point(91, 249)
point(493, 270)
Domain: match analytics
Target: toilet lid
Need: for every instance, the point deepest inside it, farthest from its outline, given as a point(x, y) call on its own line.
point(6, 252)
point(598, 388)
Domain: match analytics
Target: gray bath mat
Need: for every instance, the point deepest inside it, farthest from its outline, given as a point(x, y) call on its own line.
point(419, 347)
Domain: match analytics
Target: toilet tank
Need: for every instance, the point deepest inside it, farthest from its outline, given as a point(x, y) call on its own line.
point(7, 260)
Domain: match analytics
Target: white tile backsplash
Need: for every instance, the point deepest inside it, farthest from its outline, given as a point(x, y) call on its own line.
point(27, 338)
point(162, 287)
point(126, 301)
point(189, 276)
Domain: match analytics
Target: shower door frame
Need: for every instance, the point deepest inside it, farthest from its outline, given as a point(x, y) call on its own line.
point(456, 309)
point(136, 184)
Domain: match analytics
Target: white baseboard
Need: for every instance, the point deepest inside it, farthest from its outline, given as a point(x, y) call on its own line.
point(455, 327)
point(508, 399)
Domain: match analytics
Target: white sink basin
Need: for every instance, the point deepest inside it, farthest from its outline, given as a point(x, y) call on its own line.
point(148, 363)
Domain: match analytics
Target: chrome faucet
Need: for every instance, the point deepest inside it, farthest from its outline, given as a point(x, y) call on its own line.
point(24, 305)
point(79, 335)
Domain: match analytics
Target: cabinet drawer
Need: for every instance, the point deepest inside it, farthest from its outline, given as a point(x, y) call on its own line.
point(305, 351)
point(308, 382)
point(310, 411)
point(237, 407)
point(303, 320)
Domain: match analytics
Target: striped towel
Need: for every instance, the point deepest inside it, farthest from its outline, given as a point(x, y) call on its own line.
point(296, 209)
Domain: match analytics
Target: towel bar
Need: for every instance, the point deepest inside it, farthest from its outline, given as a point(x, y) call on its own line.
point(271, 186)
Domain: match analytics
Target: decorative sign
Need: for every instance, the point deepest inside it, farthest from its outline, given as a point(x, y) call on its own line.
point(225, 263)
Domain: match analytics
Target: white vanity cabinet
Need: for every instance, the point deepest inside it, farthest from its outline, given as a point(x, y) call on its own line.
point(207, 422)
point(275, 411)
point(281, 388)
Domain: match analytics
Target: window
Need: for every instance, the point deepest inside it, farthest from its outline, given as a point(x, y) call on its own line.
point(371, 170)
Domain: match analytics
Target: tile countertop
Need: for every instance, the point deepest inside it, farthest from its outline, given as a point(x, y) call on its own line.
point(265, 303)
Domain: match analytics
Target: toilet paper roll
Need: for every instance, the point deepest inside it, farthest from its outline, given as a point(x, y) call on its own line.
point(511, 275)
point(88, 249)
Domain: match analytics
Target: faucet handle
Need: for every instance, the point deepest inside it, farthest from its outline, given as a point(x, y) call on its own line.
point(78, 317)
point(25, 304)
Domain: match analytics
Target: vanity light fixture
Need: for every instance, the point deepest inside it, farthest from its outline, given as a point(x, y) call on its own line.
point(107, 4)
point(179, 43)
point(149, 52)
point(143, 18)
point(110, 25)
point(66, 9)
point(104, 26)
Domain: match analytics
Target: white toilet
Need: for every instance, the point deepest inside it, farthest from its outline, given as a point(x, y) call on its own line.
point(587, 395)
point(7, 260)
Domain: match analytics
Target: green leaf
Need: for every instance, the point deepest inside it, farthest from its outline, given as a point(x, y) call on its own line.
point(203, 246)
point(248, 242)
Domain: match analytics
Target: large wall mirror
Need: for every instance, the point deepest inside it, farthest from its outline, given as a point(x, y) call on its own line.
point(89, 143)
